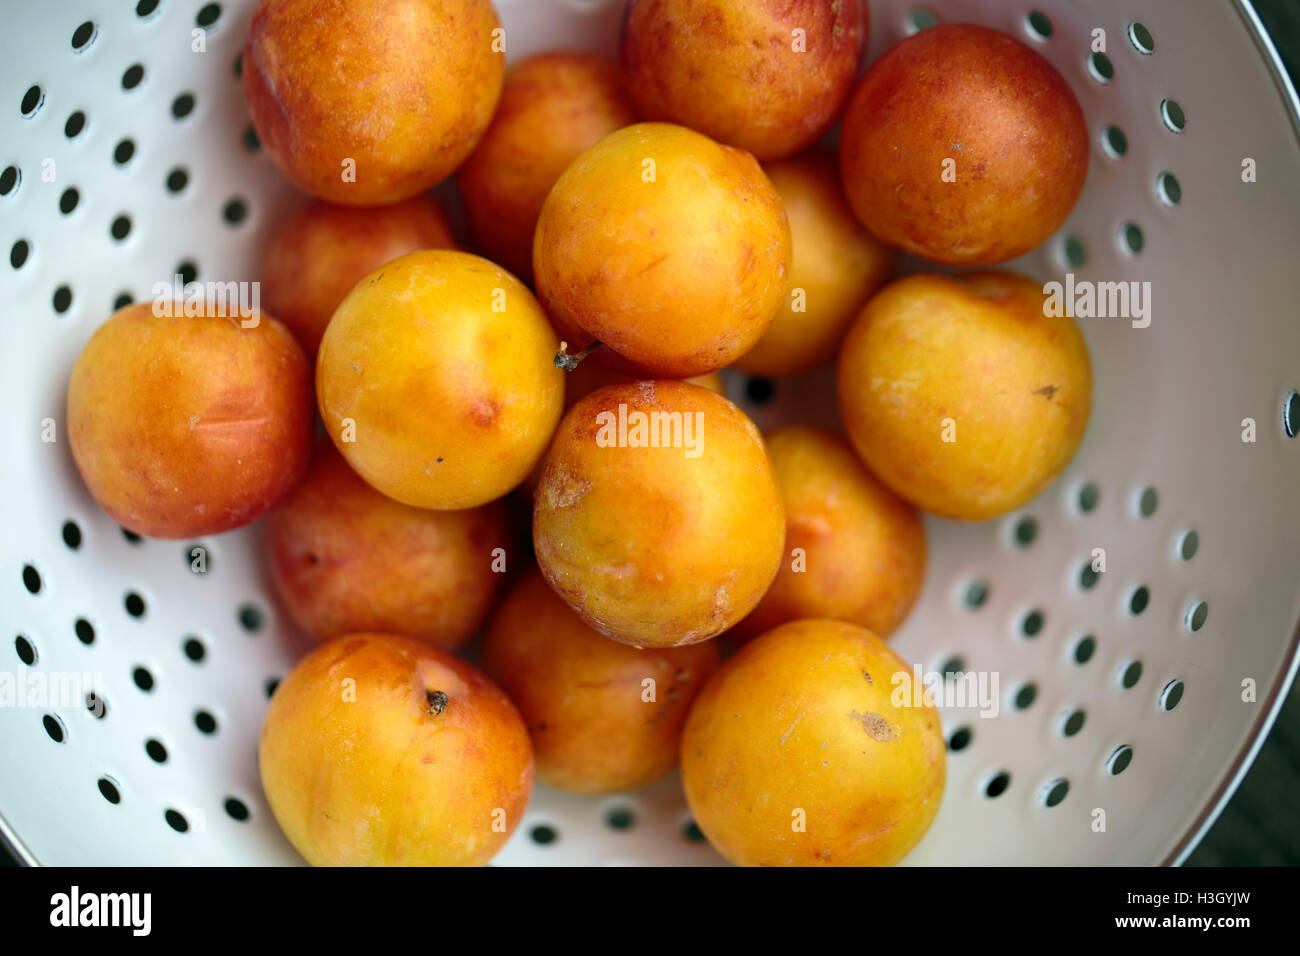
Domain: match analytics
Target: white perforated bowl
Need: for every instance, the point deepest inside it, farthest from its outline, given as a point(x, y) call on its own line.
point(1223, 346)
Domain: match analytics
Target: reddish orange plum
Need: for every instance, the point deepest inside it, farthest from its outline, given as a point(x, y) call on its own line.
point(321, 252)
point(380, 750)
point(603, 716)
point(964, 146)
point(367, 102)
point(767, 76)
point(553, 106)
point(189, 425)
point(347, 559)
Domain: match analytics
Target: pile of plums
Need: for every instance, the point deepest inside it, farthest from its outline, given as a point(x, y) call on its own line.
point(636, 226)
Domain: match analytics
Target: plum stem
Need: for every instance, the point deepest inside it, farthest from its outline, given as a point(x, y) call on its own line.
point(437, 701)
point(570, 362)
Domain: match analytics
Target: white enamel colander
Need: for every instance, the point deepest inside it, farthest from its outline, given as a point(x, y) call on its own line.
point(1130, 702)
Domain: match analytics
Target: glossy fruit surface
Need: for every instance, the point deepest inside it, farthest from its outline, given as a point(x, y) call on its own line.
point(668, 248)
point(383, 751)
point(186, 425)
point(800, 751)
point(436, 380)
point(658, 517)
point(964, 146)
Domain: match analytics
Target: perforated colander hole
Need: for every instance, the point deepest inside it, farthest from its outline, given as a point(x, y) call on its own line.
point(1037, 25)
point(250, 618)
point(1138, 600)
point(543, 834)
point(1129, 674)
point(1025, 696)
point(109, 790)
point(31, 579)
point(84, 36)
point(1084, 648)
point(134, 604)
point(1024, 531)
point(193, 649)
point(76, 122)
point(1130, 238)
point(975, 594)
point(270, 685)
point(251, 142)
point(143, 679)
point(131, 536)
point(918, 20)
point(620, 818)
point(183, 106)
point(146, 8)
point(997, 784)
point(121, 227)
point(692, 832)
point(188, 270)
point(1171, 695)
point(1196, 615)
point(1187, 545)
point(960, 739)
point(1032, 623)
point(32, 101)
point(155, 749)
point(71, 534)
point(96, 705)
point(68, 200)
point(1119, 760)
point(1172, 115)
point(238, 67)
point(9, 180)
point(1073, 722)
point(760, 391)
point(1055, 792)
point(1088, 576)
point(953, 667)
point(198, 558)
point(1072, 252)
point(1169, 189)
point(85, 631)
point(1100, 67)
point(122, 300)
point(18, 253)
point(177, 180)
point(208, 14)
point(235, 211)
point(54, 727)
point(1113, 141)
point(236, 809)
point(176, 820)
point(62, 299)
point(1141, 38)
point(1291, 414)
point(123, 151)
point(26, 650)
point(133, 76)
point(1146, 502)
point(205, 722)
